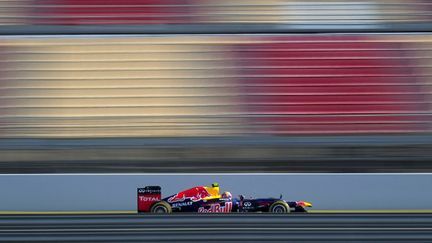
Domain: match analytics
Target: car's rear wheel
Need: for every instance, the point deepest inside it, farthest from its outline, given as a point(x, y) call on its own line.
point(161, 207)
point(279, 207)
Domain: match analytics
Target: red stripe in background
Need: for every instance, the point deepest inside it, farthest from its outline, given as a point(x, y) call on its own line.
point(75, 12)
point(331, 85)
point(4, 82)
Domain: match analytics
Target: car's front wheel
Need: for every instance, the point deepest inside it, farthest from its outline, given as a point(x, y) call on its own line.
point(161, 207)
point(279, 207)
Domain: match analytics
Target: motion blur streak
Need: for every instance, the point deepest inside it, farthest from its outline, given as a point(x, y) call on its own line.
point(180, 93)
point(181, 86)
point(85, 12)
point(227, 228)
point(127, 86)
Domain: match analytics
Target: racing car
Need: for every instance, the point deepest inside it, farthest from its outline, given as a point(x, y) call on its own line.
point(207, 199)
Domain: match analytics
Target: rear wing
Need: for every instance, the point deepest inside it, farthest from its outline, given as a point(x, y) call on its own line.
point(148, 196)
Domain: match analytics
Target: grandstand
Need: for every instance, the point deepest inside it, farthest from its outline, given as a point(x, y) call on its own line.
point(278, 98)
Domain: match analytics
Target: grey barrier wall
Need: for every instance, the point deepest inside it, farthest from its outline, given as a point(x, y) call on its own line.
point(281, 154)
point(58, 192)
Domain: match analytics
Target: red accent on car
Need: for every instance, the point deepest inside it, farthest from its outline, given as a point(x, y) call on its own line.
point(195, 194)
point(146, 198)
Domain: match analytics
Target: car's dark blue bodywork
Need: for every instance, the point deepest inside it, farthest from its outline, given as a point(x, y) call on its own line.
point(263, 205)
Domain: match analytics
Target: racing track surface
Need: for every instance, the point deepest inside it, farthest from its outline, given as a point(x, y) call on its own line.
point(235, 228)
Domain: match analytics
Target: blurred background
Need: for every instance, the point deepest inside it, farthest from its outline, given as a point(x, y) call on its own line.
point(215, 86)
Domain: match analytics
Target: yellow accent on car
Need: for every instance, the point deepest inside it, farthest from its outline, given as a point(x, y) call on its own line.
point(307, 204)
point(213, 190)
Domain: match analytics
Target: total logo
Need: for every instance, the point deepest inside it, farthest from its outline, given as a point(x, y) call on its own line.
point(149, 199)
point(217, 208)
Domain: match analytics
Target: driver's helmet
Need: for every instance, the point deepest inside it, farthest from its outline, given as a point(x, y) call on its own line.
point(226, 195)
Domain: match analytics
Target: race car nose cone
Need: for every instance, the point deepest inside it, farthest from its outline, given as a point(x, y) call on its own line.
point(304, 204)
point(307, 204)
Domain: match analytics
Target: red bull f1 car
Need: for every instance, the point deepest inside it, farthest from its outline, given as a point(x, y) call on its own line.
point(206, 199)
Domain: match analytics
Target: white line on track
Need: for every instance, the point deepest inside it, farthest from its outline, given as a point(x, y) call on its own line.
point(215, 174)
point(215, 228)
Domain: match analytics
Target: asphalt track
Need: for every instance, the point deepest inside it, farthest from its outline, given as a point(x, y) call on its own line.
point(218, 228)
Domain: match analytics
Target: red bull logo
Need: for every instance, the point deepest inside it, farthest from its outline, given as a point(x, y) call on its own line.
point(217, 208)
point(179, 197)
point(194, 194)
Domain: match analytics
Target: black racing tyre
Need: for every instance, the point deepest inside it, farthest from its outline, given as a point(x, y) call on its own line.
point(161, 207)
point(279, 207)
